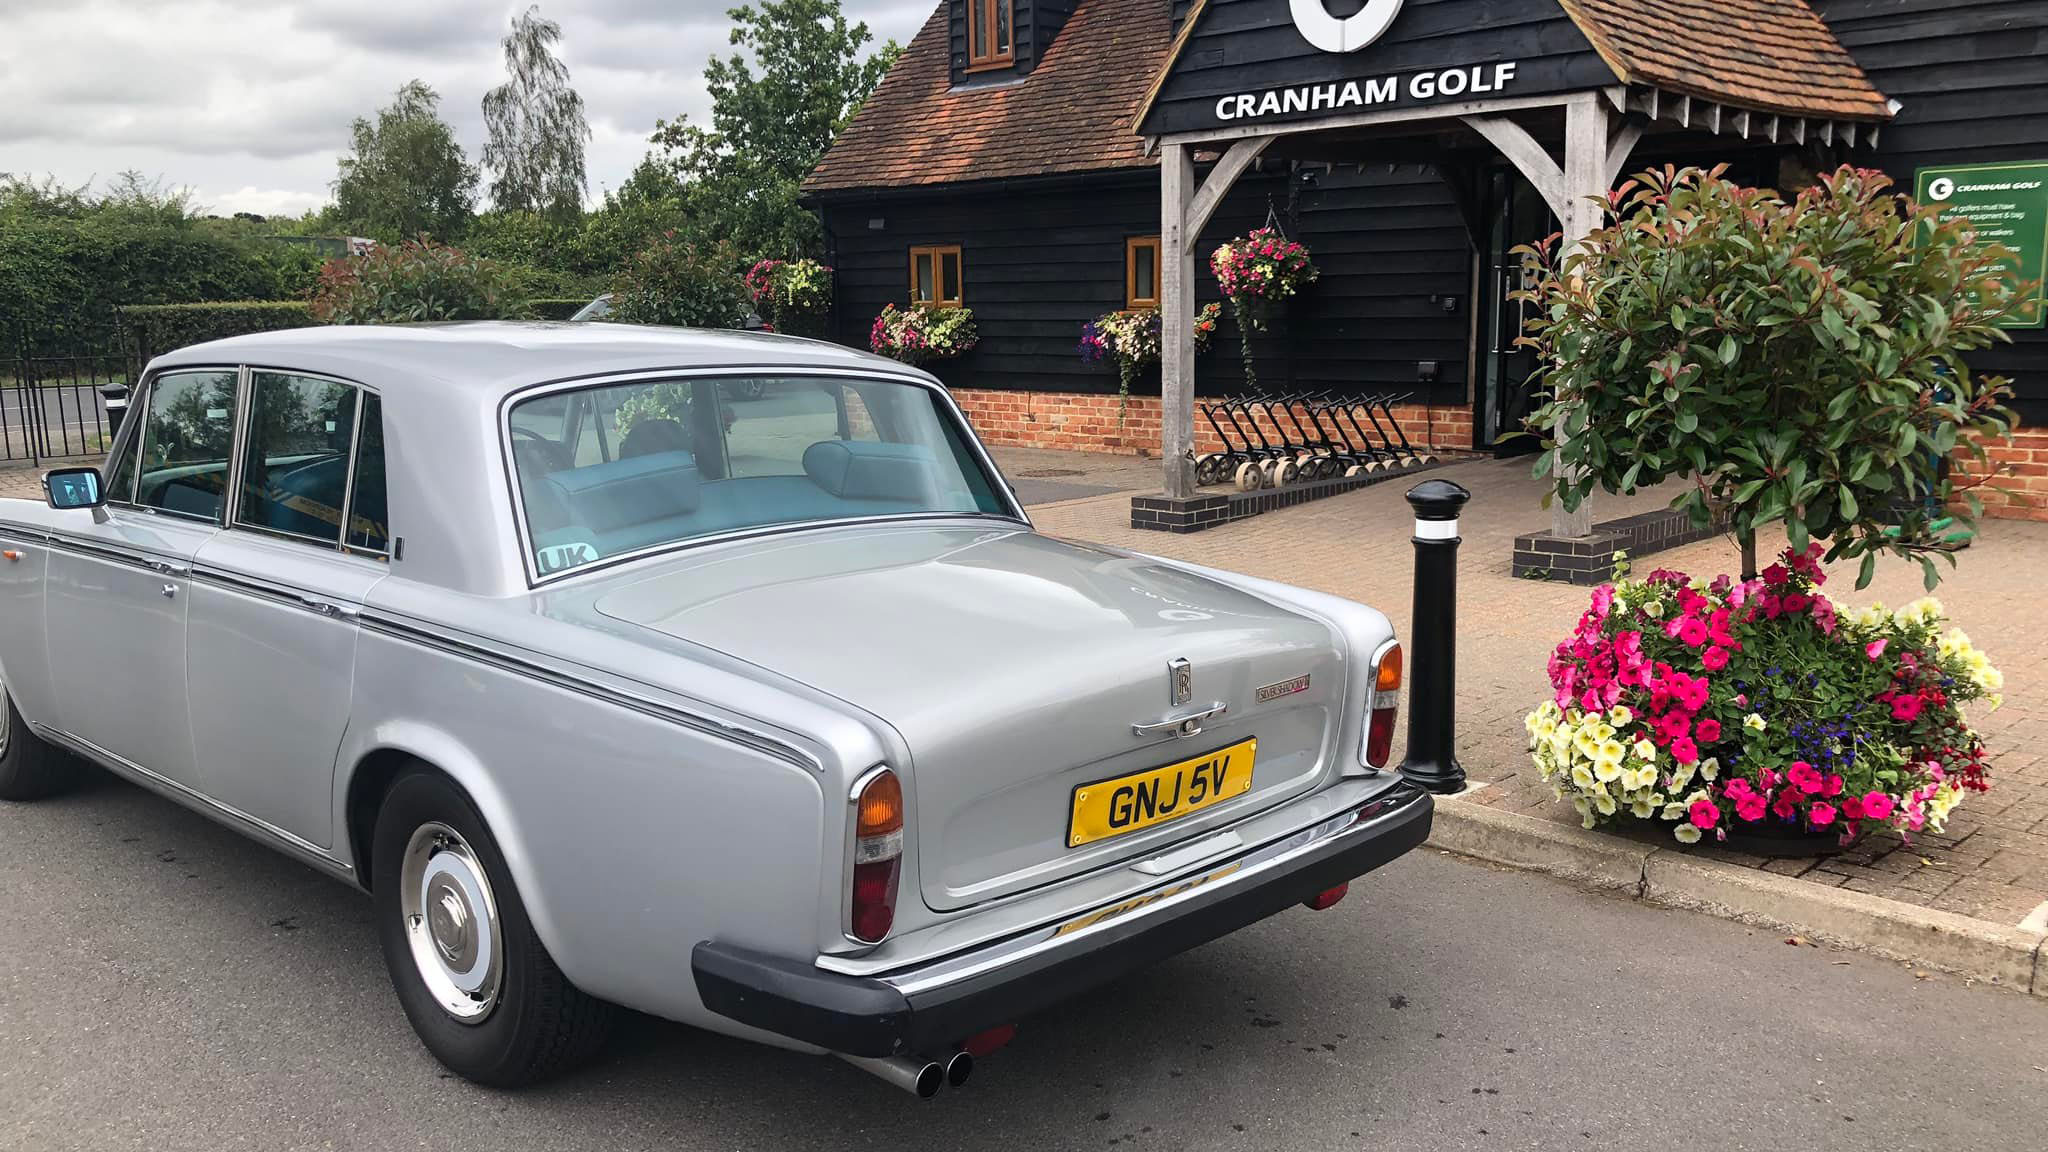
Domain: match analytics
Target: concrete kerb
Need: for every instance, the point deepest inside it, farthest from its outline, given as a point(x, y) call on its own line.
point(1979, 949)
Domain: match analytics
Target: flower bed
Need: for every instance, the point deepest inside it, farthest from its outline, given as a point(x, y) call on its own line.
point(1762, 706)
point(917, 334)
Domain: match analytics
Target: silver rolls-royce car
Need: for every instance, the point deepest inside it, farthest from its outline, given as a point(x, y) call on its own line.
point(716, 675)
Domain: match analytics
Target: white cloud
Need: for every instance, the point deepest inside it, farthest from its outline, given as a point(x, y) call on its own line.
point(248, 102)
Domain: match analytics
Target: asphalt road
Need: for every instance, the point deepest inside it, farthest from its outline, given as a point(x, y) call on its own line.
point(166, 985)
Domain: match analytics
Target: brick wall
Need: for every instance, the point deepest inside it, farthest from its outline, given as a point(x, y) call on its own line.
point(2021, 465)
point(1085, 422)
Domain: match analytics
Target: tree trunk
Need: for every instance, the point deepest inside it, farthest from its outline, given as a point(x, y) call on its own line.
point(1748, 541)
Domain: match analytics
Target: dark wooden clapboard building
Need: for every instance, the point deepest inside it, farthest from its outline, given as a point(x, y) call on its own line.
point(1012, 163)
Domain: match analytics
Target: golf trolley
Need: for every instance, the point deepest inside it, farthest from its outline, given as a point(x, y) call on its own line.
point(1314, 436)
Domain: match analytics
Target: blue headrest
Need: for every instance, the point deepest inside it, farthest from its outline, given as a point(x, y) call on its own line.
point(863, 470)
point(622, 493)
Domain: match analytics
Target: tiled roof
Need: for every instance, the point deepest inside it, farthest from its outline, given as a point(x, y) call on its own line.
point(1769, 55)
point(1072, 114)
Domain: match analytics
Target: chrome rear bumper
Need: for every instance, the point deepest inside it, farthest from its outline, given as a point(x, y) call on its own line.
point(933, 1006)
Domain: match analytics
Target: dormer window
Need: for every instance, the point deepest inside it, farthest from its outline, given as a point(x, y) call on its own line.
point(990, 41)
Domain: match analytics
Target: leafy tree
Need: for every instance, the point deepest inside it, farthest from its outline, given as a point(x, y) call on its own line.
point(772, 117)
point(1802, 362)
point(405, 175)
point(536, 125)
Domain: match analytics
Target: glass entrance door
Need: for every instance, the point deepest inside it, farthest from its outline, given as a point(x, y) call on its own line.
point(1517, 216)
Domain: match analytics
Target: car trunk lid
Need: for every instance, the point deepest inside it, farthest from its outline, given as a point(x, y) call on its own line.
point(1015, 667)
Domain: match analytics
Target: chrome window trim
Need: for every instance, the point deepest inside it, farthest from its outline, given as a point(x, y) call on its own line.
point(245, 398)
point(483, 652)
point(534, 578)
point(146, 391)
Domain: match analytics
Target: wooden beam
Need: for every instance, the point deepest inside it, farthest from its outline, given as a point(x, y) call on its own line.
point(1849, 130)
point(1588, 150)
point(1742, 123)
point(1535, 164)
point(1228, 168)
point(1625, 139)
point(1177, 307)
point(1376, 118)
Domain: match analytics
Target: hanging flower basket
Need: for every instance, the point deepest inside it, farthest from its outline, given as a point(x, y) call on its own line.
point(1258, 273)
point(918, 335)
point(793, 296)
point(1760, 715)
point(1131, 341)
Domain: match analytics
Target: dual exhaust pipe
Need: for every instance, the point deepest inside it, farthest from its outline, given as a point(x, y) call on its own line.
point(916, 1075)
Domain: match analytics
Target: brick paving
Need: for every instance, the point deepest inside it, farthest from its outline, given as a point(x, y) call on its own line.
point(1993, 861)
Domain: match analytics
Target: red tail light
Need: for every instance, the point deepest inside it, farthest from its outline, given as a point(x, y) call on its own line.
point(877, 856)
point(1386, 709)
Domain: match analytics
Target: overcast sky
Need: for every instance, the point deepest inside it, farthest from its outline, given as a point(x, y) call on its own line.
point(248, 102)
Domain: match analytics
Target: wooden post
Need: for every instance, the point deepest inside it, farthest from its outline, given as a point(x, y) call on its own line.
point(1177, 321)
point(1586, 159)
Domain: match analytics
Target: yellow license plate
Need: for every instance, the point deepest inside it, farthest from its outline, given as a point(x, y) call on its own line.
point(1116, 807)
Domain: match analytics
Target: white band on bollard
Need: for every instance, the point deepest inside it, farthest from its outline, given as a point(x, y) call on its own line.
point(1436, 529)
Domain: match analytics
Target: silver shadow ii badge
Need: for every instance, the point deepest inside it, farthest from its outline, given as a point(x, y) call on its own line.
point(1283, 688)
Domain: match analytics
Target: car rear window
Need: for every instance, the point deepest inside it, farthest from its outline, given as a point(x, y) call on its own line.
point(615, 469)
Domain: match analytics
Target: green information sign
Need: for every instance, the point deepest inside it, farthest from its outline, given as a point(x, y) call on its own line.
point(2006, 204)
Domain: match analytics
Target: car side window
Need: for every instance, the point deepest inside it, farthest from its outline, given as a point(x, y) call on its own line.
point(368, 516)
point(295, 467)
point(186, 437)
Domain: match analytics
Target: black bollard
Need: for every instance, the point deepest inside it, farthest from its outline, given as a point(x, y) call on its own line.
point(1433, 639)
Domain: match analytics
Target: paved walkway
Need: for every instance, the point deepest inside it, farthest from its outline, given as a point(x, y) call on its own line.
point(1992, 863)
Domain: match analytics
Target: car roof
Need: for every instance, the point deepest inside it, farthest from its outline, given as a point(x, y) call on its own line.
point(495, 356)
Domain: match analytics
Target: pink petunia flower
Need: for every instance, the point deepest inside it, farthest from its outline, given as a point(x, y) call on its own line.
point(1693, 631)
point(1875, 649)
point(1708, 730)
point(1703, 813)
point(1803, 776)
point(1877, 805)
point(1822, 814)
point(1715, 658)
point(1906, 708)
point(1685, 750)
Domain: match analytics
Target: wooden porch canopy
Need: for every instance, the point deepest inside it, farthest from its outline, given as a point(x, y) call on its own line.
point(1244, 73)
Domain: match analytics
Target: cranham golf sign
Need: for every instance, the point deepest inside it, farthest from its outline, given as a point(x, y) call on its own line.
point(1349, 34)
point(1421, 88)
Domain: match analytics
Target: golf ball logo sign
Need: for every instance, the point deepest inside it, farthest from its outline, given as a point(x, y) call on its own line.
point(1343, 34)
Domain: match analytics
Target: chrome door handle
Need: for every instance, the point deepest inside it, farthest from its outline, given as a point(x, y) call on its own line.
point(170, 590)
point(1188, 725)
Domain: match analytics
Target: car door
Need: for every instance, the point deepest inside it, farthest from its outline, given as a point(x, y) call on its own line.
point(118, 583)
point(272, 633)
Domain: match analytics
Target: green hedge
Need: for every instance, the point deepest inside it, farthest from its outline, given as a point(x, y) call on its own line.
point(153, 329)
point(557, 307)
point(60, 281)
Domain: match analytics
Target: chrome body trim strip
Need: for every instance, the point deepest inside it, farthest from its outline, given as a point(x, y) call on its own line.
point(235, 818)
point(412, 633)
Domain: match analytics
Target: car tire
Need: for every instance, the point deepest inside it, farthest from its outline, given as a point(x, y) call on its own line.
point(30, 769)
point(472, 975)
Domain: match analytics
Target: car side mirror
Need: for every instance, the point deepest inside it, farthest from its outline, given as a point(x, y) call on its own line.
point(69, 488)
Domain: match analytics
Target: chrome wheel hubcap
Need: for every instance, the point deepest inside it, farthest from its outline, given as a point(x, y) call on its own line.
point(451, 922)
